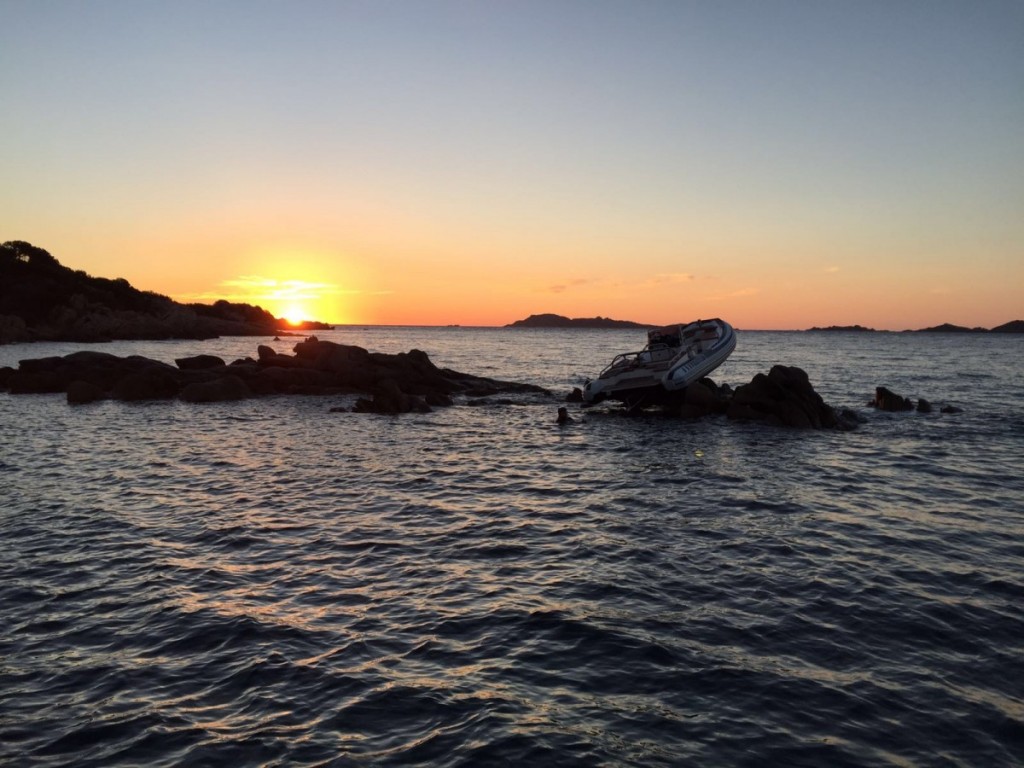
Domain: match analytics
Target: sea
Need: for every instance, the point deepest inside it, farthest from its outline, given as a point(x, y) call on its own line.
point(273, 583)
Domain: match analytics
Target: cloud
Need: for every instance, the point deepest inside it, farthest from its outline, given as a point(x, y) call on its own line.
point(664, 278)
point(742, 293)
point(830, 270)
point(673, 277)
point(248, 288)
point(563, 287)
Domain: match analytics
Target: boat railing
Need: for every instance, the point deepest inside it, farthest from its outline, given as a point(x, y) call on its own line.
point(622, 362)
point(651, 354)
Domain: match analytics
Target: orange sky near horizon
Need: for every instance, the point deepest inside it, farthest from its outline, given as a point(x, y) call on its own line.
point(358, 285)
point(781, 166)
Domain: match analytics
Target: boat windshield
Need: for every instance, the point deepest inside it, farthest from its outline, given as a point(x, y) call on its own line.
point(622, 362)
point(652, 354)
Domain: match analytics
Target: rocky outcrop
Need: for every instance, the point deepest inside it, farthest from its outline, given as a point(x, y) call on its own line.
point(784, 397)
point(402, 383)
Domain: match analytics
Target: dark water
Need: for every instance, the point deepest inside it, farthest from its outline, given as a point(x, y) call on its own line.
point(266, 583)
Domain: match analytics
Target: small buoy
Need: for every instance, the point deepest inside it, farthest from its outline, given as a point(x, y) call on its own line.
point(699, 453)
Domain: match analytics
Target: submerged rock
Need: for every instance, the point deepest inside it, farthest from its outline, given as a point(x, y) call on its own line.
point(81, 392)
point(216, 390)
point(886, 400)
point(198, 362)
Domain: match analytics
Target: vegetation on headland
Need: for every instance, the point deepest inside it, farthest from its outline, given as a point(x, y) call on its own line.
point(42, 300)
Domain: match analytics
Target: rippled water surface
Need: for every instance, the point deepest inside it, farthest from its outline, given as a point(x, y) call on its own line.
point(267, 583)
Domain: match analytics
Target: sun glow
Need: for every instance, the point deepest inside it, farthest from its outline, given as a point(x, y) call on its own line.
point(292, 300)
point(294, 315)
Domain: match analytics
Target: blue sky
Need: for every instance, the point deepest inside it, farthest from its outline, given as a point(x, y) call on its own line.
point(781, 163)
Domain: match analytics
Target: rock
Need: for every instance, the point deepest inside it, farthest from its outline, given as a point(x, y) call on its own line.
point(81, 392)
point(388, 398)
point(950, 409)
point(576, 396)
point(286, 380)
point(885, 400)
point(704, 395)
point(479, 402)
point(35, 382)
point(402, 383)
point(783, 397)
point(215, 391)
point(199, 362)
point(847, 419)
point(923, 406)
point(13, 330)
point(153, 384)
point(439, 400)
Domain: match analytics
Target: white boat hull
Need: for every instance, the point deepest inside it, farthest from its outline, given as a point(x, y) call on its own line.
point(674, 358)
point(686, 372)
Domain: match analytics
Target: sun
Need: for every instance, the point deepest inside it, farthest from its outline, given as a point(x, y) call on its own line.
point(294, 315)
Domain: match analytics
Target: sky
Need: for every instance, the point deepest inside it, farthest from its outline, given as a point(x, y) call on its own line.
point(779, 164)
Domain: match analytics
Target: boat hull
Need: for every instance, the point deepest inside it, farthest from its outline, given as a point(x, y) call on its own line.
point(649, 377)
point(686, 372)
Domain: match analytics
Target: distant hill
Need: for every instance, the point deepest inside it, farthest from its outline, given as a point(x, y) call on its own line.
point(42, 300)
point(844, 328)
point(950, 328)
point(1014, 326)
point(559, 321)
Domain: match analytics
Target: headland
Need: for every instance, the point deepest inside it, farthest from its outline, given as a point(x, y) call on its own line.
point(42, 300)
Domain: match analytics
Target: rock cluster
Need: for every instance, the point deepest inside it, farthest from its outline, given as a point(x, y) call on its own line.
point(783, 397)
point(887, 400)
point(399, 383)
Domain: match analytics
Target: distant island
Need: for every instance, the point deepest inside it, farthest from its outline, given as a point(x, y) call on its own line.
point(42, 300)
point(844, 328)
point(1014, 326)
point(559, 321)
